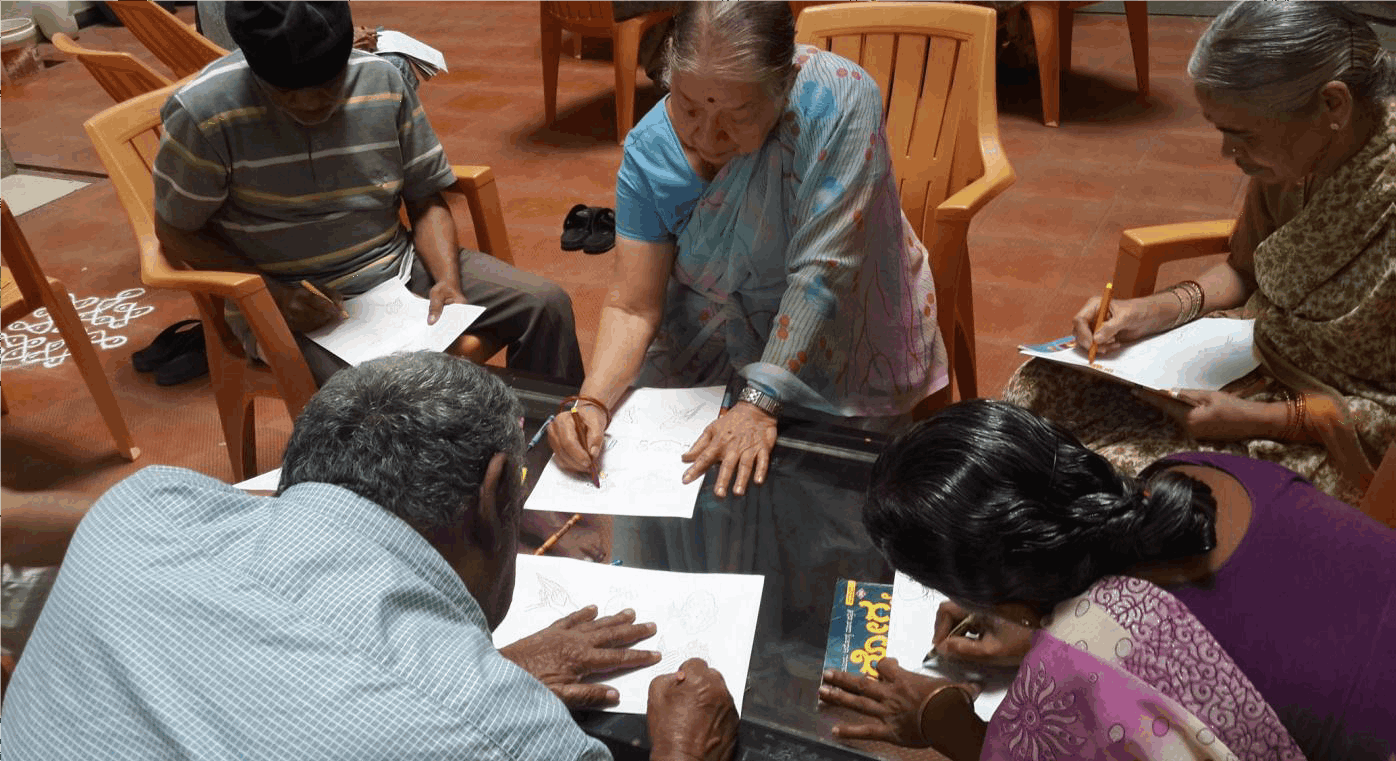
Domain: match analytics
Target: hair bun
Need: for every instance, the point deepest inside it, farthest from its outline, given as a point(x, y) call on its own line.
point(1170, 517)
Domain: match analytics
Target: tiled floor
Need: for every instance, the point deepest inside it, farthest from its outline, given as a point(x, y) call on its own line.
point(1038, 251)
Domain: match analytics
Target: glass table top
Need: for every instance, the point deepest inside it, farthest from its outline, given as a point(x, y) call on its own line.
point(802, 530)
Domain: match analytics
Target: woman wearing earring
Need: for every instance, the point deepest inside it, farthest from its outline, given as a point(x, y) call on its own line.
point(1302, 95)
point(1215, 607)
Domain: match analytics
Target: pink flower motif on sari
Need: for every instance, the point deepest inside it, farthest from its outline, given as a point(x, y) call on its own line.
point(1038, 718)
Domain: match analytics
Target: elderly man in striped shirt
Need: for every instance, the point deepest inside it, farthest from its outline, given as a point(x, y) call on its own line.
point(291, 158)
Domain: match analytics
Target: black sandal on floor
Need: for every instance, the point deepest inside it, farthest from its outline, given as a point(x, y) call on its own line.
point(577, 226)
point(184, 367)
point(171, 342)
point(602, 237)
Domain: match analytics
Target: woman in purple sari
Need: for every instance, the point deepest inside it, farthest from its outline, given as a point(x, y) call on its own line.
point(1215, 607)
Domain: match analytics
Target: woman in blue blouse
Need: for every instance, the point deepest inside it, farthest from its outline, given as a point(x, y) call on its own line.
point(759, 232)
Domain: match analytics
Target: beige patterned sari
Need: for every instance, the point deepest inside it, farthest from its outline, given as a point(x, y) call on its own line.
point(1325, 309)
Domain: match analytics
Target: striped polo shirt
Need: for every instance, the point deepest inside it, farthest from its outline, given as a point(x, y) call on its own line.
point(319, 202)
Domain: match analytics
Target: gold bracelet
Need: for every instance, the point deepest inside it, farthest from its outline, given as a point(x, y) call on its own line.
point(921, 712)
point(1300, 418)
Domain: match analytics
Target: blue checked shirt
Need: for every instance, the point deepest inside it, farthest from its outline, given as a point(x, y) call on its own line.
point(194, 621)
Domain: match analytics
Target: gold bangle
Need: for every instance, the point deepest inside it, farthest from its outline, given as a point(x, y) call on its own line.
point(926, 702)
point(1300, 417)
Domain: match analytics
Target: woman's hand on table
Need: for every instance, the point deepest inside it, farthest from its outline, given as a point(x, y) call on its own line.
point(1217, 415)
point(570, 452)
point(1128, 320)
point(892, 703)
point(741, 439)
point(1000, 642)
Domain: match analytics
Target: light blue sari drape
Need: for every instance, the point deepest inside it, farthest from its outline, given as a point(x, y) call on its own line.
point(798, 269)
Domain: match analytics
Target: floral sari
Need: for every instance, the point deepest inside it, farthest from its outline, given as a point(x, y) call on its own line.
point(1325, 308)
point(798, 269)
point(1124, 671)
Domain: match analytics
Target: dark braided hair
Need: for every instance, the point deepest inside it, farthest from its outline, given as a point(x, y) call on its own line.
point(990, 503)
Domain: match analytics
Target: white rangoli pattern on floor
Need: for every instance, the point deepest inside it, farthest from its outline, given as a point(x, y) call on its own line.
point(35, 340)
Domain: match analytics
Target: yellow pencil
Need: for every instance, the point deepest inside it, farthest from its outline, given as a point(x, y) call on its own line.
point(548, 545)
point(343, 313)
point(1101, 312)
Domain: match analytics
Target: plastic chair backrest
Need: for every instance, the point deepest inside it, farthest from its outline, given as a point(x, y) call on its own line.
point(934, 63)
point(177, 45)
point(116, 134)
point(596, 13)
point(122, 75)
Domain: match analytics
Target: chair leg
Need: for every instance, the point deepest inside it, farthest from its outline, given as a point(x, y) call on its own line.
point(966, 363)
point(80, 347)
point(1046, 35)
point(1066, 22)
point(4, 405)
point(552, 56)
point(627, 58)
point(1137, 17)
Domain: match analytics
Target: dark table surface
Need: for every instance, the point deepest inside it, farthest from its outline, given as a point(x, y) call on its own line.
point(802, 530)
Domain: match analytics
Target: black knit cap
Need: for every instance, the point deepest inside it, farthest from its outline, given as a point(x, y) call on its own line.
point(293, 45)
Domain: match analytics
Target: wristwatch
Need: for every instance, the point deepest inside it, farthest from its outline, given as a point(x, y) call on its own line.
point(761, 400)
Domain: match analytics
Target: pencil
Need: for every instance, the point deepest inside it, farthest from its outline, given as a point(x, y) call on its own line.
point(548, 545)
point(594, 470)
point(1100, 314)
point(542, 431)
point(343, 313)
point(960, 628)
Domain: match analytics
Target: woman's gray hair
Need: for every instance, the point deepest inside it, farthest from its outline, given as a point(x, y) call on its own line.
point(413, 433)
point(751, 42)
point(1279, 55)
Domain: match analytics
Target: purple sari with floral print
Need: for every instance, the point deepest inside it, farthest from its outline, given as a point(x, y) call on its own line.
point(1124, 671)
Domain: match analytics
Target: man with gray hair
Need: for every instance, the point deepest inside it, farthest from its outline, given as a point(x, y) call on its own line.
point(349, 616)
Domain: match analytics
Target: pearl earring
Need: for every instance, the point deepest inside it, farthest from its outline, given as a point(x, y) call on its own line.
point(1334, 126)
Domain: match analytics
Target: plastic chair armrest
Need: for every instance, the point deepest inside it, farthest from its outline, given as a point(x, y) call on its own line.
point(998, 176)
point(476, 183)
point(1143, 249)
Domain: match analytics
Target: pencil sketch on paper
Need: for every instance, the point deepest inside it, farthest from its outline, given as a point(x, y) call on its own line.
point(553, 595)
point(696, 615)
point(642, 467)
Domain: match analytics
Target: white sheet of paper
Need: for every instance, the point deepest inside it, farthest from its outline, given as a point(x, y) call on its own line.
point(706, 615)
point(268, 481)
point(641, 473)
point(1205, 354)
point(389, 318)
point(911, 634)
point(396, 42)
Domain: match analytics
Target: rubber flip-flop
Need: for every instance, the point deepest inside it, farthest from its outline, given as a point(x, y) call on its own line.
point(183, 368)
point(577, 226)
point(602, 237)
point(172, 341)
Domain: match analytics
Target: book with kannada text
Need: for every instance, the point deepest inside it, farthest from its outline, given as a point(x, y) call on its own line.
point(858, 625)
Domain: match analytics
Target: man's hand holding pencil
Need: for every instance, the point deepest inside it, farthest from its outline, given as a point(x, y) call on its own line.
point(304, 306)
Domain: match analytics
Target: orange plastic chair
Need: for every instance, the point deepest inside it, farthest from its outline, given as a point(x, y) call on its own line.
point(595, 20)
point(935, 65)
point(236, 379)
point(25, 288)
point(1051, 32)
point(122, 75)
point(1144, 249)
point(172, 41)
